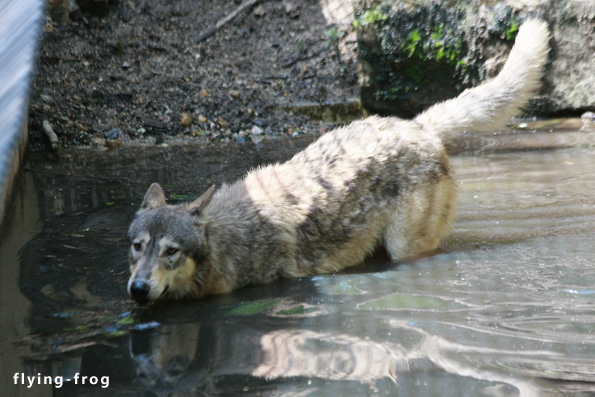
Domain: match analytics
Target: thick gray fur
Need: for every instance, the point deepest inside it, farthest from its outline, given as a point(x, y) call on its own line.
point(376, 181)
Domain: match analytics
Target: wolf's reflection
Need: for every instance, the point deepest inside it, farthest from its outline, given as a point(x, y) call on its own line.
point(199, 353)
point(196, 357)
point(164, 359)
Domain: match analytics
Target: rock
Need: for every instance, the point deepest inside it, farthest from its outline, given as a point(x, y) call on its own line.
point(58, 10)
point(110, 143)
point(74, 11)
point(292, 10)
point(259, 11)
point(185, 120)
point(202, 119)
point(257, 130)
point(45, 98)
point(258, 122)
point(126, 65)
point(198, 133)
point(234, 94)
point(51, 135)
point(588, 120)
point(256, 138)
point(222, 122)
point(203, 93)
point(98, 141)
point(412, 57)
point(141, 131)
point(112, 134)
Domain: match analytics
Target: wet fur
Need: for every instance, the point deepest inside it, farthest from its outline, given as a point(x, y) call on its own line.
point(376, 181)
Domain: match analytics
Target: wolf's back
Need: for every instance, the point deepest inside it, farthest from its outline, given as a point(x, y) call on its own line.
point(490, 105)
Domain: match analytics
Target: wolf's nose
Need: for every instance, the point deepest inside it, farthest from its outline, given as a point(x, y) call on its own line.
point(140, 291)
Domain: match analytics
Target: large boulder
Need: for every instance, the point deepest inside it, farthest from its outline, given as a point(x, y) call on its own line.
point(414, 53)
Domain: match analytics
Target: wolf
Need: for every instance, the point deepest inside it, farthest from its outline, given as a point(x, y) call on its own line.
point(381, 180)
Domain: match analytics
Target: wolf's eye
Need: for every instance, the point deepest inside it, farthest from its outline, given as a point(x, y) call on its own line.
point(171, 251)
point(137, 246)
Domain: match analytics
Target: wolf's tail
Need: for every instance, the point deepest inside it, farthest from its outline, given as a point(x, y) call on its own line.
point(490, 105)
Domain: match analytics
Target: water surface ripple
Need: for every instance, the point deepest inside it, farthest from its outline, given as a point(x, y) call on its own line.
point(505, 308)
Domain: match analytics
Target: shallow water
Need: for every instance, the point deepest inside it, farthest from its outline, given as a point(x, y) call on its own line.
point(505, 308)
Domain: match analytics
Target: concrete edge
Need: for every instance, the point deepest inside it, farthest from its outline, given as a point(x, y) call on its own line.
point(20, 27)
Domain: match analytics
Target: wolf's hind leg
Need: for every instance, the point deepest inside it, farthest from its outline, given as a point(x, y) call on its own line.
point(421, 220)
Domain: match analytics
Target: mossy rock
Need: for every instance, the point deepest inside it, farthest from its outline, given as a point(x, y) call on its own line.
point(412, 57)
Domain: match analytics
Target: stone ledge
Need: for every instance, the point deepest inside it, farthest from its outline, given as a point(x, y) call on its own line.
point(19, 34)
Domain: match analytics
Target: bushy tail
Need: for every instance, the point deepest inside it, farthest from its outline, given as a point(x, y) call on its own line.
point(490, 105)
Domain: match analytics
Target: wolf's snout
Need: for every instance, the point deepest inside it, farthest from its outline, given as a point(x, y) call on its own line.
point(139, 290)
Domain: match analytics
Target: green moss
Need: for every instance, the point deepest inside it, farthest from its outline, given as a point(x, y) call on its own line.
point(410, 302)
point(369, 17)
point(115, 334)
point(412, 42)
point(126, 320)
point(296, 310)
point(254, 307)
point(80, 328)
point(511, 29)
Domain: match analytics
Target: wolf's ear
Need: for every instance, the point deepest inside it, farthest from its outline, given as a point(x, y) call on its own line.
point(153, 198)
point(200, 203)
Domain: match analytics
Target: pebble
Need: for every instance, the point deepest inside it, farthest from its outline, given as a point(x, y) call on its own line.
point(46, 98)
point(588, 120)
point(202, 119)
point(257, 130)
point(125, 65)
point(222, 122)
point(259, 11)
point(141, 131)
point(234, 94)
point(292, 10)
point(185, 120)
point(204, 93)
point(98, 141)
point(110, 143)
point(53, 138)
point(112, 134)
point(257, 138)
point(258, 122)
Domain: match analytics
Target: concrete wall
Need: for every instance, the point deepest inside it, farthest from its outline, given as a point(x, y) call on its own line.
point(20, 22)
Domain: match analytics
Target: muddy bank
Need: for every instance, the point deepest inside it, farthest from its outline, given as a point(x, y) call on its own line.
point(137, 73)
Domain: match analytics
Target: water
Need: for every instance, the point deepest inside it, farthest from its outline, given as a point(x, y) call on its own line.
point(505, 308)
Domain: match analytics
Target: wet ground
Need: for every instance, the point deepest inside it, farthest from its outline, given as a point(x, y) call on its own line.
point(505, 308)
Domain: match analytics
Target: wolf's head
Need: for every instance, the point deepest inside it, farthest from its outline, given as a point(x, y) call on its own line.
point(167, 246)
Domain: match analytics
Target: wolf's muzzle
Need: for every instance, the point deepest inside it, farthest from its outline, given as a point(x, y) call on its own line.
point(139, 290)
